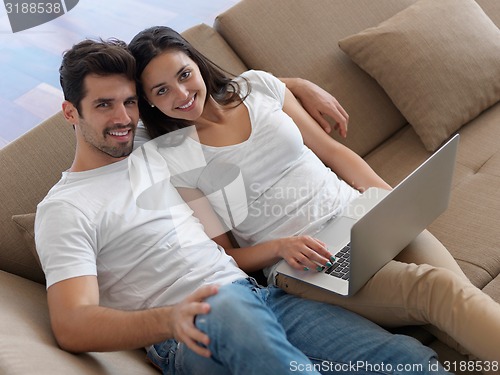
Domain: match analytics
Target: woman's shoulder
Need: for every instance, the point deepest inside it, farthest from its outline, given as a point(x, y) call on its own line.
point(263, 82)
point(257, 76)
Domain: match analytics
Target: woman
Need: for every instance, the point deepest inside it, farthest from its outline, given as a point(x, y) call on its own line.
point(285, 160)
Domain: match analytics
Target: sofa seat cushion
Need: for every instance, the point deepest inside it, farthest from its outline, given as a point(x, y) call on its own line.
point(469, 227)
point(27, 345)
point(437, 60)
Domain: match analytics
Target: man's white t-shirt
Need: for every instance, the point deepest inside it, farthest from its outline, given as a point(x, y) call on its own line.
point(90, 224)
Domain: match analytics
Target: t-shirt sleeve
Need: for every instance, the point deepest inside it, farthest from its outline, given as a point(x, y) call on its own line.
point(65, 242)
point(266, 83)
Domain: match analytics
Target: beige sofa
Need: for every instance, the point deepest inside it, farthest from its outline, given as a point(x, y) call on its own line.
point(301, 38)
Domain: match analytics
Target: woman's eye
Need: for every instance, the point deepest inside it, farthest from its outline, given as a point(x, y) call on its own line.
point(162, 91)
point(185, 74)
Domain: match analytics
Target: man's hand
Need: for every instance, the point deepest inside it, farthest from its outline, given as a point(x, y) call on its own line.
point(319, 103)
point(183, 315)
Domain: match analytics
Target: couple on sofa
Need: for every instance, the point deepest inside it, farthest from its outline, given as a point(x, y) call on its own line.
point(120, 276)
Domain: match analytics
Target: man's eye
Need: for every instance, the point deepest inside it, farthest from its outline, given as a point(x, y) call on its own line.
point(102, 105)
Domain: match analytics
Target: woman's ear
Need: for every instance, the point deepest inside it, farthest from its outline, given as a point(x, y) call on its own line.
point(70, 113)
point(147, 101)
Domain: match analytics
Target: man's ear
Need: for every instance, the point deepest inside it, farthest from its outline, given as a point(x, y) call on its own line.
point(70, 113)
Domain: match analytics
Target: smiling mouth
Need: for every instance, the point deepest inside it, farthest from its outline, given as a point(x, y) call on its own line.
point(119, 132)
point(187, 105)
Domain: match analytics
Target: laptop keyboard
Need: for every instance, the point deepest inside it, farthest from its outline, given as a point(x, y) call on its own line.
point(340, 268)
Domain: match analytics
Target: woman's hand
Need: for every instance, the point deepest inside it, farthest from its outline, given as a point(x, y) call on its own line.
point(183, 315)
point(304, 253)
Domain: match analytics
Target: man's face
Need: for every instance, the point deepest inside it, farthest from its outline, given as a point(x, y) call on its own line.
point(107, 121)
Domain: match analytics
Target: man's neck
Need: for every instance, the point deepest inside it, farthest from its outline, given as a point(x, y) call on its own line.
point(83, 163)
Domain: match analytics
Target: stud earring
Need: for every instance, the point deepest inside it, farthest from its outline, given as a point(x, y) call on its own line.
point(152, 105)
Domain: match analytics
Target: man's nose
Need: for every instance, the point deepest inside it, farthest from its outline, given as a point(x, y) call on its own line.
point(121, 115)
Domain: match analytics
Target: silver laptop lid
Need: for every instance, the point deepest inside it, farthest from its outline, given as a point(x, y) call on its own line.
point(387, 228)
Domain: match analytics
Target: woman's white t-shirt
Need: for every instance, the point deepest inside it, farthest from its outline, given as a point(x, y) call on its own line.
point(275, 185)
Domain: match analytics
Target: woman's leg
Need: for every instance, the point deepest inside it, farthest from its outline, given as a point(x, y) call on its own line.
point(379, 300)
point(257, 330)
point(427, 249)
point(340, 342)
point(408, 294)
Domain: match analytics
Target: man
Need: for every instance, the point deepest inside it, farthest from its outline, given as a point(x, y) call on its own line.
point(121, 277)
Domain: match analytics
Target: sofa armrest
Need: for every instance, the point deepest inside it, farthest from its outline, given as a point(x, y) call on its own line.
point(27, 345)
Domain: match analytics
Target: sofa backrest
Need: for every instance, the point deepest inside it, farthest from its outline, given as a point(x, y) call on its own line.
point(299, 38)
point(29, 167)
point(210, 43)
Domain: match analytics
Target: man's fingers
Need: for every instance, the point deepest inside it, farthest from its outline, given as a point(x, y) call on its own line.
point(197, 348)
point(194, 334)
point(203, 293)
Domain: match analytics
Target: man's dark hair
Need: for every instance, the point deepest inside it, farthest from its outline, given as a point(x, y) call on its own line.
point(99, 57)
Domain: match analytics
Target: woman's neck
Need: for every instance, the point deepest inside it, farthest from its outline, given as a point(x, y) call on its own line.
point(213, 114)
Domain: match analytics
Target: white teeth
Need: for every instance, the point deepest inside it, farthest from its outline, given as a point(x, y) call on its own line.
point(187, 105)
point(119, 134)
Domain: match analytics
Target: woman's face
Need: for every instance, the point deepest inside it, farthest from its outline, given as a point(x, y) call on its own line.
point(173, 83)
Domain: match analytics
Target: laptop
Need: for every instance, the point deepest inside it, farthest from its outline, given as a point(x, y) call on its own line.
point(375, 227)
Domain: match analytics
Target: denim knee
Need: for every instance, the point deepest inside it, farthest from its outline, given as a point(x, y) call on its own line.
point(231, 305)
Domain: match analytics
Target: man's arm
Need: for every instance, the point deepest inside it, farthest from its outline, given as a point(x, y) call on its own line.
point(318, 103)
point(81, 325)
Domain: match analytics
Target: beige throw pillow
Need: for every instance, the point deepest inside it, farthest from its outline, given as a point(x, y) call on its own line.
point(439, 62)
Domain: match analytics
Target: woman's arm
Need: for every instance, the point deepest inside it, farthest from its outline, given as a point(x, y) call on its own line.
point(318, 103)
point(344, 162)
point(298, 251)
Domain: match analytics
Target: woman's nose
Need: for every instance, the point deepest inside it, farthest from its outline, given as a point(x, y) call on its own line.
point(182, 91)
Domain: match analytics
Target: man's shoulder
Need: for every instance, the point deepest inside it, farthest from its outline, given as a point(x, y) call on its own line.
point(141, 136)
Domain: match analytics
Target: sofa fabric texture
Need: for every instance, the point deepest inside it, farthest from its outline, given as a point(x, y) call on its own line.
point(287, 38)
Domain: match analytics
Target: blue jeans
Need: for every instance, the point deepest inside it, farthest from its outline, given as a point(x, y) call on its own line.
point(262, 330)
